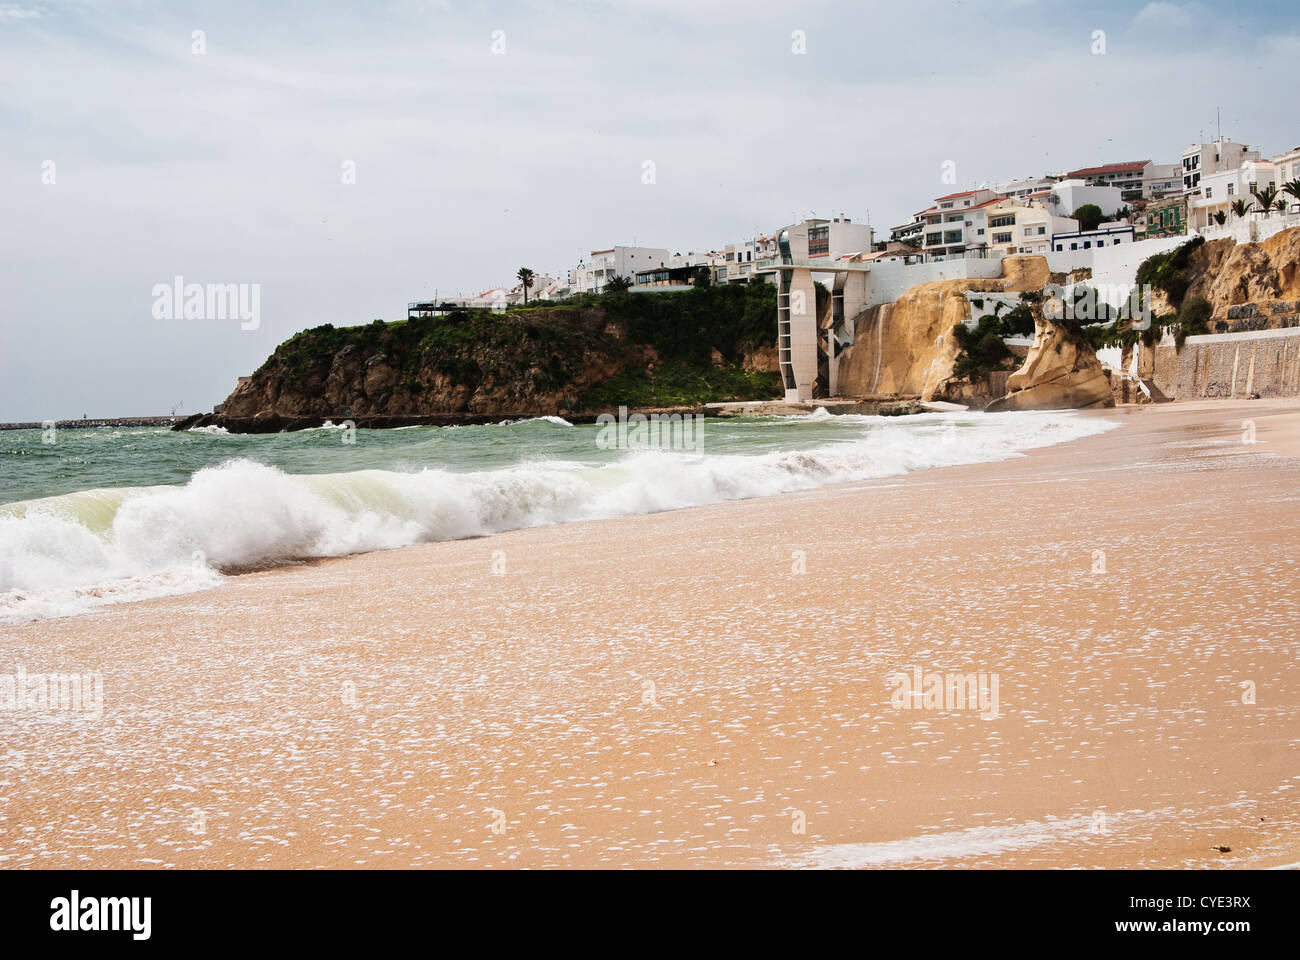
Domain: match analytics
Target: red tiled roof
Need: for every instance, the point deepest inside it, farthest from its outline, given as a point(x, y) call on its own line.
point(952, 196)
point(1107, 168)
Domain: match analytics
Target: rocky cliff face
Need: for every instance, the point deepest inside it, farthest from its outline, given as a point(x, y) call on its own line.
point(472, 364)
point(677, 349)
point(1228, 274)
point(907, 347)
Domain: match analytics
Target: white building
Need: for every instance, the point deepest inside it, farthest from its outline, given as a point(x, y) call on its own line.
point(591, 275)
point(1126, 177)
point(957, 224)
point(1287, 166)
point(1113, 234)
point(1069, 195)
point(1162, 180)
point(1201, 159)
point(1020, 189)
point(1217, 191)
point(737, 260)
point(1018, 228)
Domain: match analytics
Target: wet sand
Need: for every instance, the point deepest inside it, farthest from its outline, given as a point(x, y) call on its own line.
point(690, 689)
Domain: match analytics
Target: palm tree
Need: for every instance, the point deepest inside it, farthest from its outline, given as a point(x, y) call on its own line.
point(1292, 189)
point(1220, 217)
point(525, 277)
point(1265, 198)
point(1240, 208)
point(617, 283)
point(1280, 204)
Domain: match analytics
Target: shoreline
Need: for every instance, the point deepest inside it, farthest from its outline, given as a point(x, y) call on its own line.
point(683, 688)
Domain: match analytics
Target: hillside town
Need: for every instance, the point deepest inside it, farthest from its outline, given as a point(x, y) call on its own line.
point(1216, 189)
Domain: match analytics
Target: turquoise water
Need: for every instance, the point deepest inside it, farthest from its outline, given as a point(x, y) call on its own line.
point(108, 515)
point(149, 456)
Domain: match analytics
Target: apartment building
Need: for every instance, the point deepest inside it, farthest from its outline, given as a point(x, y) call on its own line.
point(957, 224)
point(1017, 228)
point(1162, 180)
point(1128, 178)
point(1217, 191)
point(1288, 170)
point(1202, 159)
point(591, 275)
point(1025, 187)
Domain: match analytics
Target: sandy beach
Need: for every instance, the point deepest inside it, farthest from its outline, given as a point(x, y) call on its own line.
point(711, 687)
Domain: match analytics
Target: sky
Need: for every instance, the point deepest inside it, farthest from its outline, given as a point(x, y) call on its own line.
point(349, 158)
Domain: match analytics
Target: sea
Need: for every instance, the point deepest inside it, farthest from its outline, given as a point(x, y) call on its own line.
point(90, 517)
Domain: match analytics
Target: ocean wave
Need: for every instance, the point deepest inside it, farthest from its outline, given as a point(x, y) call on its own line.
point(69, 553)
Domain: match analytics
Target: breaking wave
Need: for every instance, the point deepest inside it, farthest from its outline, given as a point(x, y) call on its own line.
point(68, 554)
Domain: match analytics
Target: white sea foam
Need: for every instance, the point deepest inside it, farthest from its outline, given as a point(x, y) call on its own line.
point(66, 554)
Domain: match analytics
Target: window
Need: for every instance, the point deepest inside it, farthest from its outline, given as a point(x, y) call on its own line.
point(1231, 189)
point(1001, 238)
point(1209, 192)
point(1087, 244)
point(932, 238)
point(952, 236)
point(979, 232)
point(946, 206)
point(1101, 243)
point(819, 241)
point(1074, 246)
point(1006, 221)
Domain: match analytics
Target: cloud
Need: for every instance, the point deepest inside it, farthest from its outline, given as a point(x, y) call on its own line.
point(9, 12)
point(1166, 15)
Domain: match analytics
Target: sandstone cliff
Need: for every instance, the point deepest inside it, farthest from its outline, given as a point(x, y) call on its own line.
point(907, 347)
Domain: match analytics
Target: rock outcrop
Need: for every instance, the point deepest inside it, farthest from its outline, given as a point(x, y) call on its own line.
point(705, 345)
point(1061, 372)
point(908, 348)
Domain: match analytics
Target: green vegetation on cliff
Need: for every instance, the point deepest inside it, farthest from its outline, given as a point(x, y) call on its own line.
point(585, 351)
point(680, 384)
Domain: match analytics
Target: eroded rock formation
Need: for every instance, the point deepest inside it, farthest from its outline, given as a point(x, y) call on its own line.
point(1061, 372)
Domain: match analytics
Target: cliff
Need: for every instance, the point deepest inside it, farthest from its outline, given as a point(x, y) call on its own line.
point(909, 347)
point(639, 349)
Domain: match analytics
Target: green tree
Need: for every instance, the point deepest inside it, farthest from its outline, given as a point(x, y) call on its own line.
point(703, 277)
point(1240, 208)
point(1265, 198)
point(1220, 217)
point(1292, 189)
point(525, 277)
point(618, 284)
point(1089, 216)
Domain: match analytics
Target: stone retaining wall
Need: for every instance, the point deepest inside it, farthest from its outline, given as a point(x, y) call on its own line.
point(1264, 363)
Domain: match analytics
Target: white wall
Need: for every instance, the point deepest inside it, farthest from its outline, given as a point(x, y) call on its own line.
point(1074, 194)
point(888, 281)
